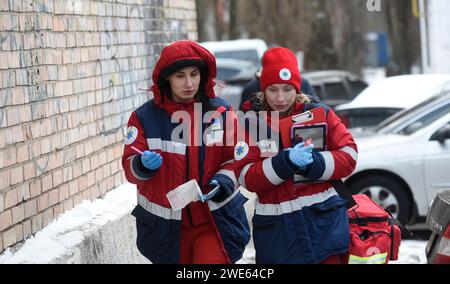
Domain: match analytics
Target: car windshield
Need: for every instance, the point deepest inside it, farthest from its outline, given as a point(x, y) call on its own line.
point(404, 122)
point(426, 120)
point(366, 117)
point(224, 73)
point(249, 55)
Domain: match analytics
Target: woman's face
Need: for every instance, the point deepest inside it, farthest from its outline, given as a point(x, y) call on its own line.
point(185, 84)
point(280, 97)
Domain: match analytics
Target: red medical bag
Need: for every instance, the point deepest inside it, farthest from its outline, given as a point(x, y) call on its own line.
point(375, 236)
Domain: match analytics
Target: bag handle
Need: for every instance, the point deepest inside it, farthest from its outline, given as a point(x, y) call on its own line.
point(344, 192)
point(350, 202)
point(405, 232)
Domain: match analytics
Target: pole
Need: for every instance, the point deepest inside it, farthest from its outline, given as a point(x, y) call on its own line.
point(424, 36)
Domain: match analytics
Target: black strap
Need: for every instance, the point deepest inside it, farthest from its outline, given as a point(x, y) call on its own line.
point(344, 192)
point(365, 220)
point(405, 232)
point(392, 236)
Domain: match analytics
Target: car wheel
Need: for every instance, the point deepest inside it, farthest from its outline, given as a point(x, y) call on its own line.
point(388, 193)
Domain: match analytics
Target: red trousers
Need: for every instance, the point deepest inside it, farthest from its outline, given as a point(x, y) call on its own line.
point(335, 259)
point(201, 245)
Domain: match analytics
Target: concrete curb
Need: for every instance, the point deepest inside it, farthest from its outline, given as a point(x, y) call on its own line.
point(112, 243)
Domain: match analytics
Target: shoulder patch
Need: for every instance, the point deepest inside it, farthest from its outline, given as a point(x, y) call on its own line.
point(132, 133)
point(240, 150)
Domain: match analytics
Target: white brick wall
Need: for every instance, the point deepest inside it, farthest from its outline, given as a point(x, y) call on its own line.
point(69, 77)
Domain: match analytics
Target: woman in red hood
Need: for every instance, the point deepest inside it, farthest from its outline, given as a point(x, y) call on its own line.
point(158, 158)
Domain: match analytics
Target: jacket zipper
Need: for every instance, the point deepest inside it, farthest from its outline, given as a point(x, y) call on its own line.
point(188, 209)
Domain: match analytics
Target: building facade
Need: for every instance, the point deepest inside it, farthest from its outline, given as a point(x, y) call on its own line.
point(71, 73)
point(436, 36)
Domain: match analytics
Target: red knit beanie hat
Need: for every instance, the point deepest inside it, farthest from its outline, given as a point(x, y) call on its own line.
point(280, 66)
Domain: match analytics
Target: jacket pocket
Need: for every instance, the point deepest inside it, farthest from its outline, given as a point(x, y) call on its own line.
point(266, 238)
point(231, 221)
point(157, 238)
point(328, 227)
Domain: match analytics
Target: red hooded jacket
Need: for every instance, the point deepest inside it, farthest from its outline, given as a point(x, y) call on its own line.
point(150, 128)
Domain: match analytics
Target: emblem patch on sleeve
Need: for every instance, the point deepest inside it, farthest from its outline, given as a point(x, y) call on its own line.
point(240, 150)
point(132, 133)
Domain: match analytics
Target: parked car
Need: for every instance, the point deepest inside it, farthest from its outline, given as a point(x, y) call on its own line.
point(335, 87)
point(404, 162)
point(235, 74)
point(237, 63)
point(241, 49)
point(388, 96)
point(438, 221)
point(234, 71)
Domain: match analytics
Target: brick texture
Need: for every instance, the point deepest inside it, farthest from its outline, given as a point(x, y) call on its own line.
point(70, 74)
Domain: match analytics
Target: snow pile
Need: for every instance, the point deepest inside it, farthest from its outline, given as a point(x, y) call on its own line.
point(411, 252)
point(69, 228)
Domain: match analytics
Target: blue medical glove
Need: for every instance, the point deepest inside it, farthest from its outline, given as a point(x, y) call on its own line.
point(301, 155)
point(212, 193)
point(214, 182)
point(151, 160)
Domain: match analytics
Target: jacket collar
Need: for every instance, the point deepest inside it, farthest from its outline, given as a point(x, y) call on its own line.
point(171, 106)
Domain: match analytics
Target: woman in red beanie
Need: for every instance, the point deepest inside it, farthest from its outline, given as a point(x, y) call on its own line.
point(213, 231)
point(299, 216)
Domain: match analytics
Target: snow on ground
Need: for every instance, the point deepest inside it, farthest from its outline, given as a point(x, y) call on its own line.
point(69, 228)
point(411, 252)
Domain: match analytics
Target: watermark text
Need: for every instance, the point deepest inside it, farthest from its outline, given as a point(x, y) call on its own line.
point(374, 5)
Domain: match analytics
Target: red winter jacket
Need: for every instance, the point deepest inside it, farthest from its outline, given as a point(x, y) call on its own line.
point(150, 128)
point(299, 217)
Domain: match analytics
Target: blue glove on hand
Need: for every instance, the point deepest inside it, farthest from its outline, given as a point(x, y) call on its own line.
point(301, 155)
point(151, 160)
point(212, 193)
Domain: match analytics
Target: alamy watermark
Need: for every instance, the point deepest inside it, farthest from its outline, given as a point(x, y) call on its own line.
point(374, 5)
point(225, 129)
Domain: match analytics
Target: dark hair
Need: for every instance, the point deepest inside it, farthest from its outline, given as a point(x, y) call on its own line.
point(164, 85)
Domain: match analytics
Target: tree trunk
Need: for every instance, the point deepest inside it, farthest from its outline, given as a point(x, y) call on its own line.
point(234, 20)
point(330, 32)
point(403, 30)
point(206, 24)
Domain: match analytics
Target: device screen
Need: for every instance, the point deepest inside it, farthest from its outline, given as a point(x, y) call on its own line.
point(311, 134)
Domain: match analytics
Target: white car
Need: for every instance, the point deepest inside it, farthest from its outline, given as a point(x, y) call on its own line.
point(335, 87)
point(241, 49)
point(234, 71)
point(405, 161)
point(235, 74)
point(388, 96)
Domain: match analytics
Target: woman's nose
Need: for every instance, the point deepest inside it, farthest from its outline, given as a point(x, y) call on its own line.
point(188, 82)
point(280, 98)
